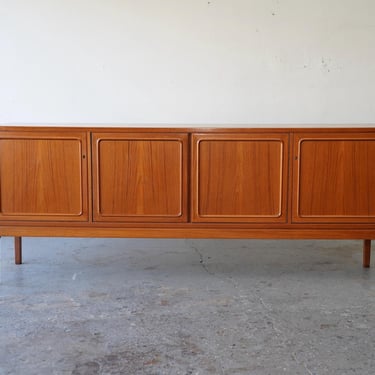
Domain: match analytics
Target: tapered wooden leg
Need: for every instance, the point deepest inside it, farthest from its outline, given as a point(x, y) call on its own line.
point(366, 253)
point(18, 250)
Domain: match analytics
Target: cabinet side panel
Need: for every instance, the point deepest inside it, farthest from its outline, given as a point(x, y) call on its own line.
point(335, 180)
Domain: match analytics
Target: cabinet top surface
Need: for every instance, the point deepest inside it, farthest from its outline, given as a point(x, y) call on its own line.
point(187, 127)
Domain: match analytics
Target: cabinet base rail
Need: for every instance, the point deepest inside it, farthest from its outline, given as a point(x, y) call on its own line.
point(365, 262)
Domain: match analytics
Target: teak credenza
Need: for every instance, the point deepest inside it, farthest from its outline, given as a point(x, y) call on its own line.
point(279, 183)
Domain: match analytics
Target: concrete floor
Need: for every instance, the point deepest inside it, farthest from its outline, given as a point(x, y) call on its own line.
point(104, 306)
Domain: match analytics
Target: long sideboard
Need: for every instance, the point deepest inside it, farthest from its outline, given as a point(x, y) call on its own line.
point(174, 182)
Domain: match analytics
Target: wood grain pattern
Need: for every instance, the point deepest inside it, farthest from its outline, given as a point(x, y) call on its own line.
point(43, 176)
point(334, 178)
point(239, 178)
point(140, 177)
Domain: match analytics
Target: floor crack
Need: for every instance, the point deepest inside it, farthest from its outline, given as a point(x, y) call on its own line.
point(201, 258)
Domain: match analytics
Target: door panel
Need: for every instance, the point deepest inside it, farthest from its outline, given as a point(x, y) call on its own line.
point(334, 178)
point(43, 176)
point(240, 178)
point(140, 177)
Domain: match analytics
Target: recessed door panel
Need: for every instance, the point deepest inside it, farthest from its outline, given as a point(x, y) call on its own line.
point(43, 176)
point(240, 178)
point(140, 177)
point(334, 178)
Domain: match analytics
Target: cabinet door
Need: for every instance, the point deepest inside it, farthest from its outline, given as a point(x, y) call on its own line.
point(140, 177)
point(43, 176)
point(334, 178)
point(240, 177)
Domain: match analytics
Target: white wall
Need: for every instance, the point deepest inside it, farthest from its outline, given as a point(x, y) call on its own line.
point(187, 61)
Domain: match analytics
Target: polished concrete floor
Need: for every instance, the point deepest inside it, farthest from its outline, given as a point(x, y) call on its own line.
point(127, 306)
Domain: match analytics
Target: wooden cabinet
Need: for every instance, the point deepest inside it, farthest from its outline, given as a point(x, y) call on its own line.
point(334, 178)
point(188, 183)
point(43, 176)
point(240, 177)
point(140, 177)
